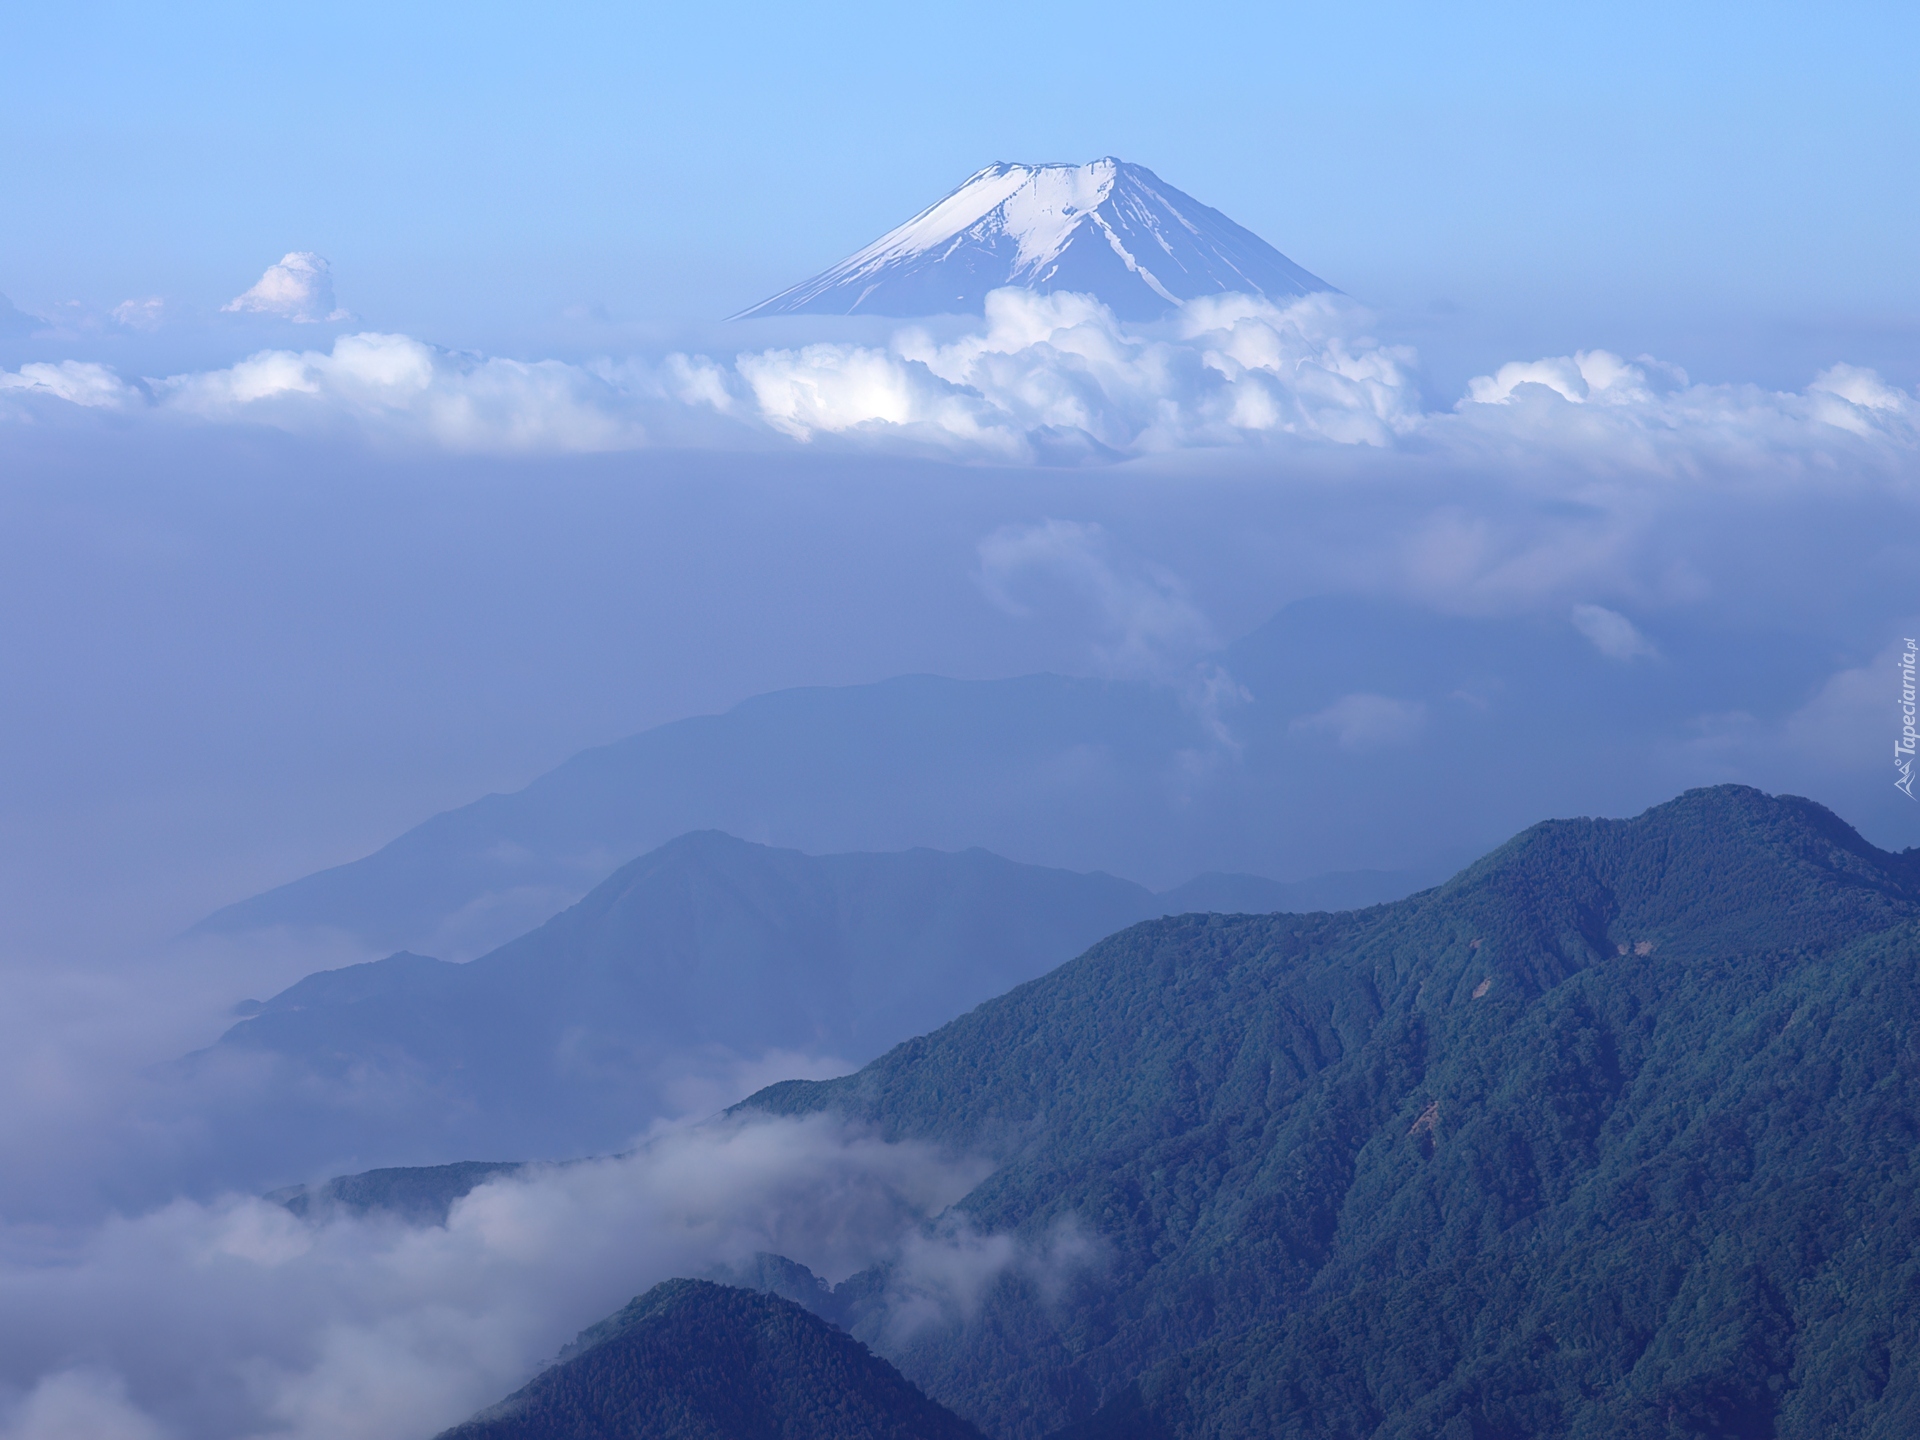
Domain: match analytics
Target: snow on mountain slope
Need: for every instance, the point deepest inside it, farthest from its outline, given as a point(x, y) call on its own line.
point(1109, 229)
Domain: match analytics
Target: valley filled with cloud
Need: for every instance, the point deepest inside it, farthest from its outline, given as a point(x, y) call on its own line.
point(235, 1318)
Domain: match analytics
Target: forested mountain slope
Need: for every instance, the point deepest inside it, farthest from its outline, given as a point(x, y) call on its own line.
point(691, 1360)
point(1612, 1135)
point(417, 1194)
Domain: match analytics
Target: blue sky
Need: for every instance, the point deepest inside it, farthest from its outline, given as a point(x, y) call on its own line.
point(1724, 184)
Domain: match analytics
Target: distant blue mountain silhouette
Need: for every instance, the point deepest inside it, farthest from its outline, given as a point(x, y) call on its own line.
point(652, 992)
point(1374, 736)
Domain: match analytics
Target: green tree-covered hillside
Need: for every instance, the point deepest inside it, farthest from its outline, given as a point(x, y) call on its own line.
point(1613, 1135)
point(691, 1360)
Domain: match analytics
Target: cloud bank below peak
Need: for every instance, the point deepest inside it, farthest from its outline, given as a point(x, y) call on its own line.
point(1046, 379)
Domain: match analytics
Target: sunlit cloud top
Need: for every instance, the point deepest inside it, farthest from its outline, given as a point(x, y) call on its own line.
point(1047, 379)
point(299, 287)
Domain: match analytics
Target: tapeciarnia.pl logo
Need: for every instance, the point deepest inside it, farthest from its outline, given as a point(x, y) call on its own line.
point(1903, 747)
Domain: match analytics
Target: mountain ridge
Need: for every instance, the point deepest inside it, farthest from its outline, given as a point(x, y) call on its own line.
point(1614, 1134)
point(700, 960)
point(1087, 774)
point(505, 863)
point(1590, 1141)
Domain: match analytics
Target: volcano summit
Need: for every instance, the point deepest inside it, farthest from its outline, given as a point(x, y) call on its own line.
point(1113, 230)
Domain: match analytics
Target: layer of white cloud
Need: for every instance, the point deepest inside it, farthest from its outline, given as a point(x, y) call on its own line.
point(1593, 377)
point(396, 387)
point(77, 382)
point(1056, 379)
point(299, 287)
point(237, 1319)
point(1599, 413)
point(1053, 370)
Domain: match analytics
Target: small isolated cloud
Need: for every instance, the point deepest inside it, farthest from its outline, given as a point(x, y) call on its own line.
point(1363, 722)
point(298, 288)
point(1612, 633)
point(1146, 624)
point(140, 314)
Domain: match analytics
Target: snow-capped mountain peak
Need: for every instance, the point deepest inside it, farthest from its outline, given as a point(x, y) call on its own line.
point(1107, 228)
